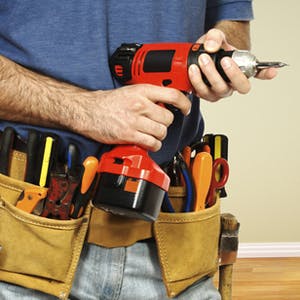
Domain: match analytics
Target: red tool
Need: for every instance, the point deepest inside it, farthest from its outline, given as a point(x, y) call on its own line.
point(131, 183)
point(162, 64)
point(217, 183)
point(166, 64)
point(61, 190)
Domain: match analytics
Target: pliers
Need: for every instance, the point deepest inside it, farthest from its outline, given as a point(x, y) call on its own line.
point(181, 166)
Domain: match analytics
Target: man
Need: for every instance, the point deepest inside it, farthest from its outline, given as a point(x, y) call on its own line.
point(54, 74)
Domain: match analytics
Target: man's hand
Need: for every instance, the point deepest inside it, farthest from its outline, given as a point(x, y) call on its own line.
point(129, 115)
point(213, 40)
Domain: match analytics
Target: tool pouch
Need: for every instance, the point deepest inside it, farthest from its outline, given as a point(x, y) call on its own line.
point(37, 252)
point(187, 244)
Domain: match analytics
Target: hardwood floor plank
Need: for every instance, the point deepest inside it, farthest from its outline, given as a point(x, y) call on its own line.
point(266, 278)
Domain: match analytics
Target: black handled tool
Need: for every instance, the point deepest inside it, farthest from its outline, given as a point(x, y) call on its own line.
point(32, 151)
point(221, 150)
point(7, 139)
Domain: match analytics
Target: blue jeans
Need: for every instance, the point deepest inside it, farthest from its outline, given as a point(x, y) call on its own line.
point(125, 273)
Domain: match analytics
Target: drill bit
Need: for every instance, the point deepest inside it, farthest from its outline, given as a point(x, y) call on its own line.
point(249, 65)
point(270, 64)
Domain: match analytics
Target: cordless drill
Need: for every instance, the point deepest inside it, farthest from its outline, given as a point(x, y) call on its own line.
point(131, 183)
point(166, 64)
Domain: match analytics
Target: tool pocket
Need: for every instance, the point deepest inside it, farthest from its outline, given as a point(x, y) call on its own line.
point(37, 252)
point(187, 244)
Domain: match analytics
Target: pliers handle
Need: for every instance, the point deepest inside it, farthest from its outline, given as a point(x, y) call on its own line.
point(181, 165)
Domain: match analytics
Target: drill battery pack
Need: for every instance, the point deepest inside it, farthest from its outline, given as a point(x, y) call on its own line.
point(130, 184)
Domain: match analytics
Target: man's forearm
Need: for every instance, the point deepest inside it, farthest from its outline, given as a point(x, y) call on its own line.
point(124, 115)
point(237, 33)
point(32, 98)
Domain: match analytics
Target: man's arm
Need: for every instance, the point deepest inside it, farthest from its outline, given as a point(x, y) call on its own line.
point(33, 98)
point(124, 115)
point(237, 33)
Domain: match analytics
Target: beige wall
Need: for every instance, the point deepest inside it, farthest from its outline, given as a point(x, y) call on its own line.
point(264, 132)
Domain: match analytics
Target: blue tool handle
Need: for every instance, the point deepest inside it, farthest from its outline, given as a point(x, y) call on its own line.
point(189, 191)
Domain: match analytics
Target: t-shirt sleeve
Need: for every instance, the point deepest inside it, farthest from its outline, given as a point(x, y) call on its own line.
point(235, 10)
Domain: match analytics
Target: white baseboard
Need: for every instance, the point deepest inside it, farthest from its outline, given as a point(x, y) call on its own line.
point(248, 250)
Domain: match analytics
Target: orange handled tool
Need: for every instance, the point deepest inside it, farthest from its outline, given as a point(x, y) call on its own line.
point(90, 168)
point(88, 182)
point(30, 198)
point(202, 172)
point(186, 153)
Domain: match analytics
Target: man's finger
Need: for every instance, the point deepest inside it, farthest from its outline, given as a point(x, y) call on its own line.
point(160, 114)
point(238, 80)
point(150, 127)
point(214, 40)
point(202, 90)
point(267, 74)
point(168, 96)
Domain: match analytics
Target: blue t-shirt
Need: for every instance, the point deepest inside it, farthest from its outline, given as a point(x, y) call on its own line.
point(72, 41)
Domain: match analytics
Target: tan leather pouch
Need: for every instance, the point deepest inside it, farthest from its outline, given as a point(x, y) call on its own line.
point(187, 244)
point(37, 252)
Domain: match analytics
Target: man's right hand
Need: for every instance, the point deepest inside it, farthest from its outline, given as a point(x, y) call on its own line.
point(128, 115)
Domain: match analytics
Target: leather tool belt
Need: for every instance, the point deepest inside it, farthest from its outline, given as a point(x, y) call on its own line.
point(187, 243)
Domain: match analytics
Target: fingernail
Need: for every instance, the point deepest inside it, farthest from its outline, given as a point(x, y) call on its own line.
point(211, 45)
point(204, 59)
point(226, 63)
point(194, 70)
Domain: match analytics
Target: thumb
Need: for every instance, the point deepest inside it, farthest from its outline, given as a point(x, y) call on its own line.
point(213, 40)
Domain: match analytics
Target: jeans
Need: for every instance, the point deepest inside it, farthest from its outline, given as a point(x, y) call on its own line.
point(125, 273)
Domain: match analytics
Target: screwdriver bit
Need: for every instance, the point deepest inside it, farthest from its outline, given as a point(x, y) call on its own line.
point(249, 65)
point(270, 64)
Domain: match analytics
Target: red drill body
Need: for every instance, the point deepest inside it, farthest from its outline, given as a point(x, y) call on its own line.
point(131, 183)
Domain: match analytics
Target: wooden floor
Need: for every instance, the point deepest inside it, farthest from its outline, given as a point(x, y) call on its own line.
point(266, 278)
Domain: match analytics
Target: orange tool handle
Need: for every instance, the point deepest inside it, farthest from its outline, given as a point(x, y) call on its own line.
point(202, 173)
point(90, 169)
point(30, 198)
point(186, 153)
